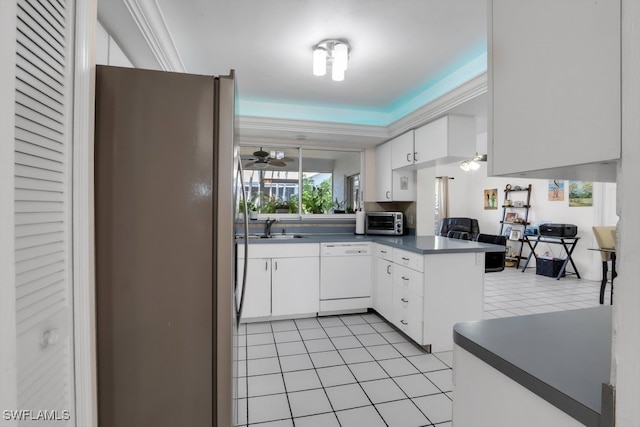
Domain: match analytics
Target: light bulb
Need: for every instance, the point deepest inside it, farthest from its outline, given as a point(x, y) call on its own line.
point(465, 166)
point(474, 166)
point(340, 56)
point(337, 73)
point(319, 61)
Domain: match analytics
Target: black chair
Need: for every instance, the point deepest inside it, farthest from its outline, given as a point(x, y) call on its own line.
point(494, 261)
point(460, 228)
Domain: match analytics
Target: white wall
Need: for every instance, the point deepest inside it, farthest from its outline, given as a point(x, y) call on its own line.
point(466, 194)
point(107, 50)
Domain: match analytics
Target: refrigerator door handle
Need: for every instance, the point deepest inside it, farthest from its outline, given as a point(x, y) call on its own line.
point(246, 241)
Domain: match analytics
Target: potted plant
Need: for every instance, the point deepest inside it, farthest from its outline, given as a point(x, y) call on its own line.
point(281, 206)
point(338, 207)
point(252, 209)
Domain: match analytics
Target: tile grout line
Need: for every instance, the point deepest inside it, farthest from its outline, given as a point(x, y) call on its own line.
point(354, 377)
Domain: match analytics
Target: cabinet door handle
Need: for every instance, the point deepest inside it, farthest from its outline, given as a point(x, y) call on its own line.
point(415, 156)
point(389, 269)
point(276, 265)
point(405, 278)
point(404, 323)
point(405, 259)
point(404, 300)
point(388, 194)
point(383, 252)
point(266, 265)
point(409, 157)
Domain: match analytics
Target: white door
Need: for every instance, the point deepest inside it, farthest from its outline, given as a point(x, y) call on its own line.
point(42, 339)
point(383, 288)
point(383, 172)
point(295, 286)
point(257, 297)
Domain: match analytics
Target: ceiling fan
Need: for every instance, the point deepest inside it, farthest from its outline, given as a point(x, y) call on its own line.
point(264, 159)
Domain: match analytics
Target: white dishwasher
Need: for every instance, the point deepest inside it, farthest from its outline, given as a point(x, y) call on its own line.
point(345, 276)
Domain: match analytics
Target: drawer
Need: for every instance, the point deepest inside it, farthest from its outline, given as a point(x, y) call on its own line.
point(407, 313)
point(409, 259)
point(280, 250)
point(412, 280)
point(383, 251)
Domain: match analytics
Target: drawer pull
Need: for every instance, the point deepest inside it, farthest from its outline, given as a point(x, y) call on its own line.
point(405, 258)
point(404, 323)
point(405, 278)
point(383, 252)
point(389, 269)
point(406, 301)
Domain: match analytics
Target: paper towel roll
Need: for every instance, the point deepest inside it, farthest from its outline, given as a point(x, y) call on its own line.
point(360, 217)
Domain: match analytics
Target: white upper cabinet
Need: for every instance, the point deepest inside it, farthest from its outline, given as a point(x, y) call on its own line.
point(554, 89)
point(449, 139)
point(402, 152)
point(392, 185)
point(383, 172)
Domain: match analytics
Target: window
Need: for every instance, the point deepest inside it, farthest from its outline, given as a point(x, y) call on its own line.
point(300, 181)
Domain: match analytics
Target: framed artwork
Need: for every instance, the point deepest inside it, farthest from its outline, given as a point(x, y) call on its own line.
point(491, 199)
point(580, 194)
point(556, 190)
point(515, 235)
point(510, 216)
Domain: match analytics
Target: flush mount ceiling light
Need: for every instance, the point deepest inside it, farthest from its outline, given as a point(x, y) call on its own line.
point(331, 53)
point(472, 164)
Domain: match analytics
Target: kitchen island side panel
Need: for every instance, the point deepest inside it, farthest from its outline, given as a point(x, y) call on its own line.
point(453, 292)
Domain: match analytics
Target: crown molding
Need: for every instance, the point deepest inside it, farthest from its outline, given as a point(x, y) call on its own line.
point(149, 19)
point(440, 106)
point(310, 126)
point(274, 130)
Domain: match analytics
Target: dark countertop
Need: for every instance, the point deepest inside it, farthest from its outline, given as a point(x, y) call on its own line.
point(418, 244)
point(563, 357)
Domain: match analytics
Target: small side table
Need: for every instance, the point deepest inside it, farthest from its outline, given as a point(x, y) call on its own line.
point(568, 243)
point(605, 270)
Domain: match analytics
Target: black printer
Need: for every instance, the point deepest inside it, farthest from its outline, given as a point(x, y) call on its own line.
point(558, 230)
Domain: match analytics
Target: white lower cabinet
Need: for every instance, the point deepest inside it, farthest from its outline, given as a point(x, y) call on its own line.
point(407, 294)
point(257, 300)
point(383, 288)
point(428, 293)
point(282, 279)
point(407, 312)
point(295, 286)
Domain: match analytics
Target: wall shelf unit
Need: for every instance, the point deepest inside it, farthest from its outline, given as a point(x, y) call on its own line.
point(515, 219)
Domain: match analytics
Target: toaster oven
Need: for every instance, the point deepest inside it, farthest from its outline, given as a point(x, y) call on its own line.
point(391, 223)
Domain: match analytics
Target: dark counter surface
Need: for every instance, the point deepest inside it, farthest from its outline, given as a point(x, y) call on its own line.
point(563, 357)
point(418, 244)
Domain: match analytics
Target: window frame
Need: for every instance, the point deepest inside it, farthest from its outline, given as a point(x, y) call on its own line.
point(302, 216)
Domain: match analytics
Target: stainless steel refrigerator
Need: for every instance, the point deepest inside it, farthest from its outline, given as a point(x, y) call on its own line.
point(165, 165)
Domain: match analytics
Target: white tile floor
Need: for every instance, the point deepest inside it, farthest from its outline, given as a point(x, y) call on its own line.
point(356, 370)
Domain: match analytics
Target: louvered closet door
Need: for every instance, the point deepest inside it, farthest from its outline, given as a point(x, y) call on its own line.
point(43, 209)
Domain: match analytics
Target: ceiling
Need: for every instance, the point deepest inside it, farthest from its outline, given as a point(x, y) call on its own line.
point(404, 54)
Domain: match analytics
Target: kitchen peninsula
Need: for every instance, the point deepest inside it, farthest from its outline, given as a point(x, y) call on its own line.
point(423, 285)
point(549, 369)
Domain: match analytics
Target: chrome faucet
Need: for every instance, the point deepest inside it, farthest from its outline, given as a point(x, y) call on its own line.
point(267, 226)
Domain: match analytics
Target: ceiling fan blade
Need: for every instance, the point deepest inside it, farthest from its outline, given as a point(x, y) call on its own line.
point(278, 163)
point(248, 165)
point(261, 153)
point(286, 159)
